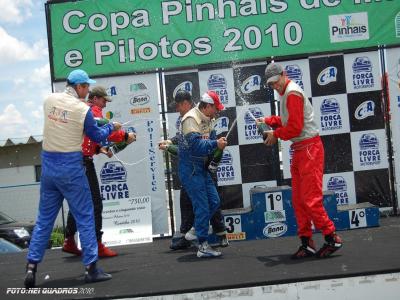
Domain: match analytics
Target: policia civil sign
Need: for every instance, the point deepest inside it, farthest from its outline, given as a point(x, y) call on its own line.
point(125, 36)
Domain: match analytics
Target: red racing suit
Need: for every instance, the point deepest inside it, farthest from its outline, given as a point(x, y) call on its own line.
point(89, 147)
point(296, 123)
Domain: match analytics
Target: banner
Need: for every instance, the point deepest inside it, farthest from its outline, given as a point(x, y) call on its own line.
point(124, 36)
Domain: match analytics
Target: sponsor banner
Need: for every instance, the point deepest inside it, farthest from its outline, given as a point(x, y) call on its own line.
point(127, 221)
point(299, 72)
point(105, 37)
point(393, 71)
point(343, 186)
point(362, 72)
point(228, 171)
point(331, 114)
point(247, 128)
point(369, 150)
point(220, 81)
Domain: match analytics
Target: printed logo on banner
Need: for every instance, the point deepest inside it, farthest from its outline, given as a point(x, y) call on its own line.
point(113, 177)
point(348, 27)
point(221, 125)
point(251, 84)
point(112, 91)
point(365, 110)
point(135, 87)
point(327, 75)
point(275, 216)
point(139, 100)
point(275, 229)
point(362, 73)
point(217, 82)
point(339, 186)
point(112, 114)
point(250, 126)
point(369, 150)
point(294, 73)
point(183, 86)
point(330, 115)
point(225, 170)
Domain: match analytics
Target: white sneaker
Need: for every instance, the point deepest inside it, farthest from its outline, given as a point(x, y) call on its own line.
point(191, 235)
point(205, 250)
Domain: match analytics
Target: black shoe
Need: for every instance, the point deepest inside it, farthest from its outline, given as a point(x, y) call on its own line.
point(307, 249)
point(223, 241)
point(30, 276)
point(180, 243)
point(94, 274)
point(333, 243)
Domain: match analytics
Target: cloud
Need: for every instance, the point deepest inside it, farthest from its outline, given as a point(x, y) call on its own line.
point(13, 50)
point(15, 11)
point(12, 123)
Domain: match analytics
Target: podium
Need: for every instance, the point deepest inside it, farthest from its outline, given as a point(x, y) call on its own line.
point(271, 215)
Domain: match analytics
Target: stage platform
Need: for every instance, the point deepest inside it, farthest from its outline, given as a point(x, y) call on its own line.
point(152, 269)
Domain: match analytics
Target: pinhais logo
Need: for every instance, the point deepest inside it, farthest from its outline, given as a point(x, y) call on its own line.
point(217, 83)
point(113, 177)
point(183, 86)
point(327, 75)
point(251, 84)
point(369, 150)
point(330, 115)
point(294, 73)
point(349, 27)
point(362, 73)
point(339, 186)
point(365, 110)
point(250, 127)
point(225, 170)
point(221, 125)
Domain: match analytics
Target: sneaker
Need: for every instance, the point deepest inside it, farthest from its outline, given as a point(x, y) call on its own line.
point(69, 246)
point(104, 251)
point(307, 249)
point(333, 243)
point(205, 250)
point(223, 241)
point(30, 276)
point(94, 274)
point(191, 235)
point(180, 243)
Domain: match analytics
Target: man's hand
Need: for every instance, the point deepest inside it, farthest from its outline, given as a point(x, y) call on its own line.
point(163, 145)
point(222, 142)
point(117, 125)
point(106, 151)
point(271, 139)
point(131, 138)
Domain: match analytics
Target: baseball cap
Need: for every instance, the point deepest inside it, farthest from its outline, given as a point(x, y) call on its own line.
point(272, 72)
point(182, 96)
point(79, 77)
point(212, 98)
point(99, 91)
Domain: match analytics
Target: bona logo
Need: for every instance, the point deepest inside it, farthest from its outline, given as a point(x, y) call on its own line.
point(274, 230)
point(365, 110)
point(140, 100)
point(327, 75)
point(251, 84)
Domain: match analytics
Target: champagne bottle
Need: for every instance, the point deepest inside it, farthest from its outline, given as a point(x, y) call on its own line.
point(117, 147)
point(215, 160)
point(101, 121)
point(172, 149)
point(261, 128)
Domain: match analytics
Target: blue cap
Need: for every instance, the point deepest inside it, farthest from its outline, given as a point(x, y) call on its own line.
point(79, 77)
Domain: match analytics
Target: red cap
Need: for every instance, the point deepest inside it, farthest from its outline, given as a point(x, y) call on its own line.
point(212, 98)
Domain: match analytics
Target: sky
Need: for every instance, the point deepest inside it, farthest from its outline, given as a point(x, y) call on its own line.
point(24, 67)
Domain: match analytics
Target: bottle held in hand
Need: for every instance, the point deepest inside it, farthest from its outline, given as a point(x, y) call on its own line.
point(215, 160)
point(262, 128)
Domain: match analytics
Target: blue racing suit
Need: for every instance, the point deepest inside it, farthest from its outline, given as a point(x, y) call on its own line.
point(195, 146)
point(63, 176)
